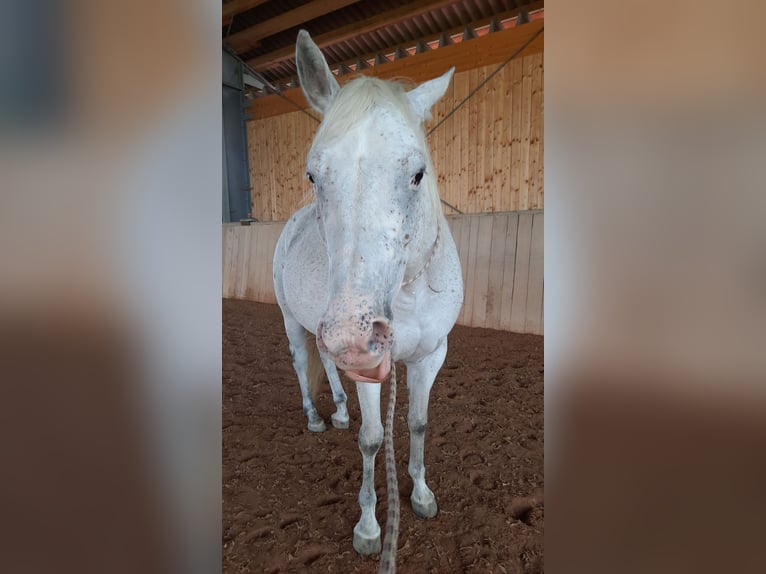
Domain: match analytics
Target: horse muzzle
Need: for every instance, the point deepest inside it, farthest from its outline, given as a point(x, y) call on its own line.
point(361, 348)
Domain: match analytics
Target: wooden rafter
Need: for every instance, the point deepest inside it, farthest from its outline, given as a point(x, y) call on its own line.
point(422, 44)
point(231, 9)
point(373, 23)
point(389, 18)
point(486, 50)
point(250, 38)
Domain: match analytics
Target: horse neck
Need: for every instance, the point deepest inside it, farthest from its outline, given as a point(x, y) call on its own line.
point(424, 240)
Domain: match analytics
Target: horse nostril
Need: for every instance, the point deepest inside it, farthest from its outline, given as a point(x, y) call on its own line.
point(381, 332)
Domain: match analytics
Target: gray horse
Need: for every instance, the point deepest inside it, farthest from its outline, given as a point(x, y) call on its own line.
point(369, 274)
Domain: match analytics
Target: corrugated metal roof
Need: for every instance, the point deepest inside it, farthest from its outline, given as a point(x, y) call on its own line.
point(447, 17)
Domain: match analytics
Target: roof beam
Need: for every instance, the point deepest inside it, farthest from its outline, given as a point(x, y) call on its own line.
point(231, 9)
point(250, 38)
point(424, 41)
point(478, 52)
point(373, 23)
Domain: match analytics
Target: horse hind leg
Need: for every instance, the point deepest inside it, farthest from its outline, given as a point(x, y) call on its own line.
point(296, 334)
point(340, 416)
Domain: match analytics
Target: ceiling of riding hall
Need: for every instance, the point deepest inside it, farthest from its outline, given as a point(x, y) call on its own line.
point(357, 33)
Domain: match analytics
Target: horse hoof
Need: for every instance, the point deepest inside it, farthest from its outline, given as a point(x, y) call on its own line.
point(366, 545)
point(339, 423)
point(317, 426)
point(427, 510)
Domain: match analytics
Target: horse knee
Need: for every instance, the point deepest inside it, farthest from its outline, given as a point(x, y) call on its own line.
point(417, 424)
point(370, 441)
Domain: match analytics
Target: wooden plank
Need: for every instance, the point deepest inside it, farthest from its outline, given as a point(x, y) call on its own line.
point(521, 273)
point(234, 267)
point(446, 133)
point(487, 131)
point(495, 143)
point(463, 254)
point(533, 322)
point(503, 197)
point(232, 264)
point(253, 269)
point(257, 160)
point(473, 246)
point(226, 261)
point(509, 266)
point(473, 149)
point(272, 167)
point(254, 160)
point(535, 135)
point(481, 274)
point(250, 37)
point(494, 301)
point(245, 239)
point(526, 109)
point(265, 260)
point(231, 9)
point(515, 135)
point(460, 141)
point(259, 284)
point(483, 51)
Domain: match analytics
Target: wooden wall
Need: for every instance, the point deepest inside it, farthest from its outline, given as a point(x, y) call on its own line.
point(488, 155)
point(501, 255)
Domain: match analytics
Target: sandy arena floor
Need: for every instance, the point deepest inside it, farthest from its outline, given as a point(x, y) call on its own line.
point(290, 496)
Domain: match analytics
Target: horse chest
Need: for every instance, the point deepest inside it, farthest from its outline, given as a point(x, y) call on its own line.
point(411, 337)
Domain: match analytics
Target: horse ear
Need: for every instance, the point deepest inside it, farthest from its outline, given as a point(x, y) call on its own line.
point(428, 93)
point(319, 85)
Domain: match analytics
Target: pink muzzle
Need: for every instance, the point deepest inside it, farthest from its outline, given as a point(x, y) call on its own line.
point(376, 375)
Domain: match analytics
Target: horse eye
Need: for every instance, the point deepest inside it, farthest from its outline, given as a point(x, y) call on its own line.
point(311, 177)
point(416, 178)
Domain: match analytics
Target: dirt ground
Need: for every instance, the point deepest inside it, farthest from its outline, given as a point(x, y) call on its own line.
point(290, 496)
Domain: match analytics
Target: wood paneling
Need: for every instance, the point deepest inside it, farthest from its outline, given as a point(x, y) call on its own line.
point(277, 149)
point(501, 255)
point(488, 155)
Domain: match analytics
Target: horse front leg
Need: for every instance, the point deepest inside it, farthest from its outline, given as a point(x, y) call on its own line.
point(420, 379)
point(340, 416)
point(367, 530)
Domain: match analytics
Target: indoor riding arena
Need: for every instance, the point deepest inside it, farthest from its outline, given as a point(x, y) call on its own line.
point(290, 496)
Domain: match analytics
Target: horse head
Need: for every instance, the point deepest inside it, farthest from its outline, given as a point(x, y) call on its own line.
point(376, 203)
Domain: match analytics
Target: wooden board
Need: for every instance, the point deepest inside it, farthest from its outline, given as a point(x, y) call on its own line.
point(470, 263)
point(494, 298)
point(463, 249)
point(509, 267)
point(487, 156)
point(521, 273)
point(501, 257)
point(246, 235)
point(534, 311)
point(481, 274)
